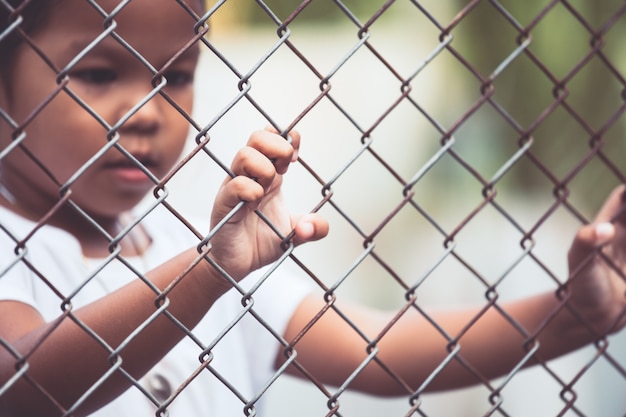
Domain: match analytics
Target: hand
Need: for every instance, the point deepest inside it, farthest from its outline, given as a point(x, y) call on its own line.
point(246, 242)
point(597, 262)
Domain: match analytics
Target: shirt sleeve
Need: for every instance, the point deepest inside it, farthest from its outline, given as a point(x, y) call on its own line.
point(15, 277)
point(43, 272)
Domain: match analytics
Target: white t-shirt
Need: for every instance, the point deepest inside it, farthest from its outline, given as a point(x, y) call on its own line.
point(243, 358)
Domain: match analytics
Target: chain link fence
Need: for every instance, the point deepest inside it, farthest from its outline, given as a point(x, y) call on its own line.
point(455, 148)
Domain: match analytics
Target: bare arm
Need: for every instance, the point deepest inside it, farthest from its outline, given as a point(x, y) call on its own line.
point(413, 348)
point(71, 354)
point(69, 361)
point(331, 350)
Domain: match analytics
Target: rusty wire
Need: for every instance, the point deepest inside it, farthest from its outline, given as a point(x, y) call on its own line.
point(525, 146)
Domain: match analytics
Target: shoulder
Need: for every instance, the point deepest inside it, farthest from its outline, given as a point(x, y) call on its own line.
point(36, 262)
point(22, 238)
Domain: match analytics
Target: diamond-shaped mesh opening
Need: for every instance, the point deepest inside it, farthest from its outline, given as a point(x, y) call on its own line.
point(455, 150)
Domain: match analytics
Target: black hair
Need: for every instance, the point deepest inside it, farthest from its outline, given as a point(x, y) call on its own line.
point(26, 15)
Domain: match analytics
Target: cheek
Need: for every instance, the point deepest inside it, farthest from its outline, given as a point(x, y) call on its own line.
point(185, 101)
point(63, 137)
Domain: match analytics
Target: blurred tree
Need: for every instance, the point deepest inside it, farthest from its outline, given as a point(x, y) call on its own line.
point(563, 36)
point(558, 62)
point(323, 12)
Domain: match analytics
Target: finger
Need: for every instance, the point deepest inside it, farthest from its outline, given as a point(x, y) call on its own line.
point(275, 148)
point(309, 228)
point(588, 239)
point(293, 138)
point(234, 191)
point(251, 163)
point(613, 207)
point(295, 144)
point(601, 231)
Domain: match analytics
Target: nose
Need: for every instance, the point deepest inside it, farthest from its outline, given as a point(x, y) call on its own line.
point(143, 112)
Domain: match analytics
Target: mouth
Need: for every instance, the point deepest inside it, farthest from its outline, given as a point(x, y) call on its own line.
point(142, 160)
point(130, 171)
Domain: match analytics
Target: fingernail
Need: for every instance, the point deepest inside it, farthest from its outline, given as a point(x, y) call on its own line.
point(604, 232)
point(307, 229)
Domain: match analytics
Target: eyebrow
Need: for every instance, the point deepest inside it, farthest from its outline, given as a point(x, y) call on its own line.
point(111, 47)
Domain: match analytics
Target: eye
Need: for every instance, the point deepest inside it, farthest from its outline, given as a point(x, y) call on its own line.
point(178, 78)
point(97, 76)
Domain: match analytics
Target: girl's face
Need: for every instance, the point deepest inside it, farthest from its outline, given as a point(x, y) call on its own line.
point(63, 136)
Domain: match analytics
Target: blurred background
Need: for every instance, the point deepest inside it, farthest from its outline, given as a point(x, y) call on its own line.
point(515, 103)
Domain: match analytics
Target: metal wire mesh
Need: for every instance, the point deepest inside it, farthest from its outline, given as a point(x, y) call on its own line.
point(454, 148)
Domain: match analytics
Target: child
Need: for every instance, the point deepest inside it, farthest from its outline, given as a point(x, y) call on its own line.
point(83, 326)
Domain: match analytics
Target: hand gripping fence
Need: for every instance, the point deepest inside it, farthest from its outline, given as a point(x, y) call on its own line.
point(455, 147)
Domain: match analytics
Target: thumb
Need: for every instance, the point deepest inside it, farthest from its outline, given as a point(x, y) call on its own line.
point(613, 207)
point(310, 227)
point(603, 233)
point(588, 239)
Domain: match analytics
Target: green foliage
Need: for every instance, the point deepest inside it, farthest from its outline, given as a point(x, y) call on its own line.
point(315, 11)
point(566, 89)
